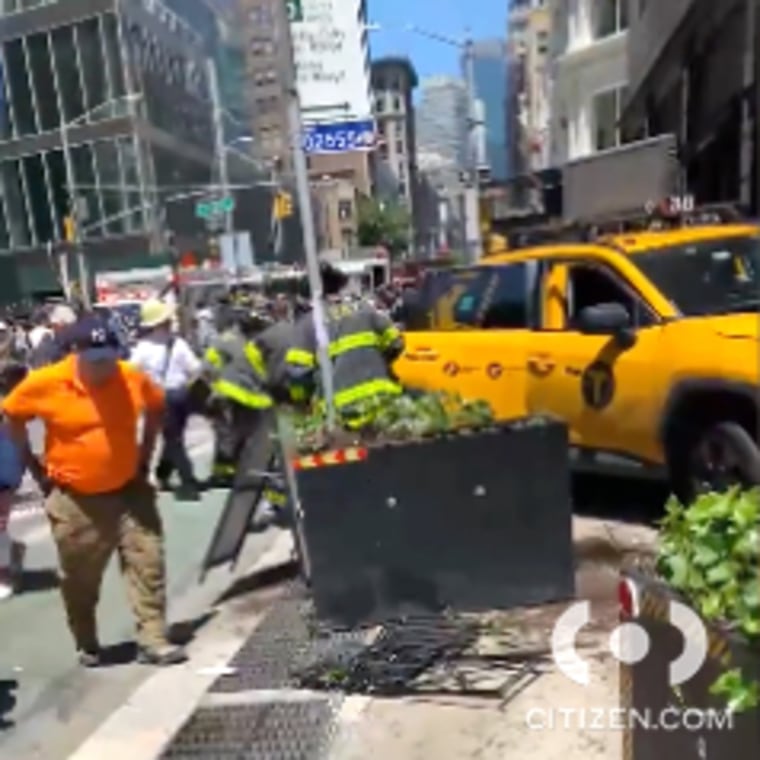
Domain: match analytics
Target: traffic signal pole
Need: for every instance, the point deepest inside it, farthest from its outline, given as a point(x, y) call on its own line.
point(221, 158)
point(71, 223)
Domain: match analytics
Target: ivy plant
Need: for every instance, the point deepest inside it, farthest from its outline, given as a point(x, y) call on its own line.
point(710, 552)
point(402, 418)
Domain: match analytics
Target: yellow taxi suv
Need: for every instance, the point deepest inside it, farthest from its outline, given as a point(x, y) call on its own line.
point(645, 345)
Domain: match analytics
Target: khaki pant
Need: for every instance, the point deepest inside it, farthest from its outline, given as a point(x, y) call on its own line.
point(87, 529)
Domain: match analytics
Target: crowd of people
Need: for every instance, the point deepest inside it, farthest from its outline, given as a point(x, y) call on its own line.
point(108, 399)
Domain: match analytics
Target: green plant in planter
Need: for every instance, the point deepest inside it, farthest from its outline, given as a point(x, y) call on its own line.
point(710, 552)
point(406, 417)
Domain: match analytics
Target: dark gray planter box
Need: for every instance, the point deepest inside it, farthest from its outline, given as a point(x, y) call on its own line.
point(469, 521)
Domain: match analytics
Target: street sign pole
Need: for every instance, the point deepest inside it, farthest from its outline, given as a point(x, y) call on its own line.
point(312, 257)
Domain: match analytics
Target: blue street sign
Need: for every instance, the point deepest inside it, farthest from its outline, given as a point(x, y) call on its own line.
point(339, 137)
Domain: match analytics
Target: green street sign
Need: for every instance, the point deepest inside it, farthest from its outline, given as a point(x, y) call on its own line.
point(209, 209)
point(295, 10)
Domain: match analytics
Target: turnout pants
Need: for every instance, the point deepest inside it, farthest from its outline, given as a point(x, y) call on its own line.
point(87, 529)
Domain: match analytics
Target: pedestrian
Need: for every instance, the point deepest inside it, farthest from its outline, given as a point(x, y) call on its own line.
point(41, 329)
point(11, 474)
point(363, 344)
point(95, 472)
point(170, 362)
point(52, 345)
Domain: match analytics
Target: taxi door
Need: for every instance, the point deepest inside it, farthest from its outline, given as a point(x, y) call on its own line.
point(478, 338)
point(607, 393)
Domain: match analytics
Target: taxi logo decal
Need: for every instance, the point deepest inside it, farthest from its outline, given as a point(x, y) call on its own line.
point(451, 369)
point(598, 385)
point(495, 371)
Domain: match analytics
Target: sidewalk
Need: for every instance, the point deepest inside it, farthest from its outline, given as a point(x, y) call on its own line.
point(238, 697)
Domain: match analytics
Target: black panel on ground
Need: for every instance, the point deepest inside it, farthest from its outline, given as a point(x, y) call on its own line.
point(234, 522)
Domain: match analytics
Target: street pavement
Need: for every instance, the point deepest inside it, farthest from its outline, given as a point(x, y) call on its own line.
point(37, 655)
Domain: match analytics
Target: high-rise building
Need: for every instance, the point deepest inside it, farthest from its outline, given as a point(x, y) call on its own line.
point(590, 52)
point(393, 83)
point(105, 111)
point(270, 74)
point(102, 102)
point(442, 119)
point(490, 68)
point(529, 109)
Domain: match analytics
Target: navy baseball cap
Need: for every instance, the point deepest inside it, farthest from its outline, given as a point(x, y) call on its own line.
point(94, 339)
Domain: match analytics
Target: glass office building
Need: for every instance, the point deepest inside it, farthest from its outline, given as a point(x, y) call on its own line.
point(490, 69)
point(122, 87)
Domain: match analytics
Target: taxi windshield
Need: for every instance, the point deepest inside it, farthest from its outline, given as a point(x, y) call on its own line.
point(717, 276)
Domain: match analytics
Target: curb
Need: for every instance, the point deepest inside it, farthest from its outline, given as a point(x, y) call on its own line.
point(146, 723)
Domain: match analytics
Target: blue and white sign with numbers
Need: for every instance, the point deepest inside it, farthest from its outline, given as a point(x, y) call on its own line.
point(341, 137)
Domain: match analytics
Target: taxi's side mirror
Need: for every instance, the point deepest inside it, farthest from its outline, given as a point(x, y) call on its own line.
point(611, 319)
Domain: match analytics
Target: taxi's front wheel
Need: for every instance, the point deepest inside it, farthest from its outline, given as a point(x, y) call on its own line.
point(716, 458)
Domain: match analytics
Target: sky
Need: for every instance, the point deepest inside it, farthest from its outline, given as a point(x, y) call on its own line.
point(445, 17)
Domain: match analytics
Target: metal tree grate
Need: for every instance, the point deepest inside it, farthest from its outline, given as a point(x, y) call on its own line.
point(403, 651)
point(261, 731)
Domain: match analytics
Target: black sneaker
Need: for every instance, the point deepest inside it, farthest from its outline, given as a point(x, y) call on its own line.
point(90, 657)
point(162, 655)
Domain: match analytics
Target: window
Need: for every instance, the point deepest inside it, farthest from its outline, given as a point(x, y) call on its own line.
point(68, 80)
point(379, 104)
point(542, 42)
point(507, 299)
point(12, 187)
point(592, 286)
point(20, 90)
point(93, 63)
point(610, 17)
point(114, 200)
point(396, 103)
point(485, 298)
point(400, 147)
point(42, 78)
point(38, 198)
point(112, 47)
point(607, 110)
point(345, 210)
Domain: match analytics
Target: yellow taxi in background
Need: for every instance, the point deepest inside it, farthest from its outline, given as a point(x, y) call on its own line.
point(645, 344)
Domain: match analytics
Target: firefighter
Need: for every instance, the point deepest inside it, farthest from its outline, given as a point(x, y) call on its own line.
point(363, 344)
point(237, 375)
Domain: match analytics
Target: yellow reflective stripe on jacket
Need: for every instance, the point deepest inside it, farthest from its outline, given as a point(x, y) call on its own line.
point(352, 342)
point(301, 358)
point(275, 498)
point(366, 390)
point(213, 357)
point(389, 336)
point(255, 358)
point(241, 395)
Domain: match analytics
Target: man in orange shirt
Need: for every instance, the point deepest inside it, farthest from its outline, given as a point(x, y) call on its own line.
point(99, 500)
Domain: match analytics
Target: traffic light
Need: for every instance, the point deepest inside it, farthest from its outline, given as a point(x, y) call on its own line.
point(69, 228)
point(283, 205)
